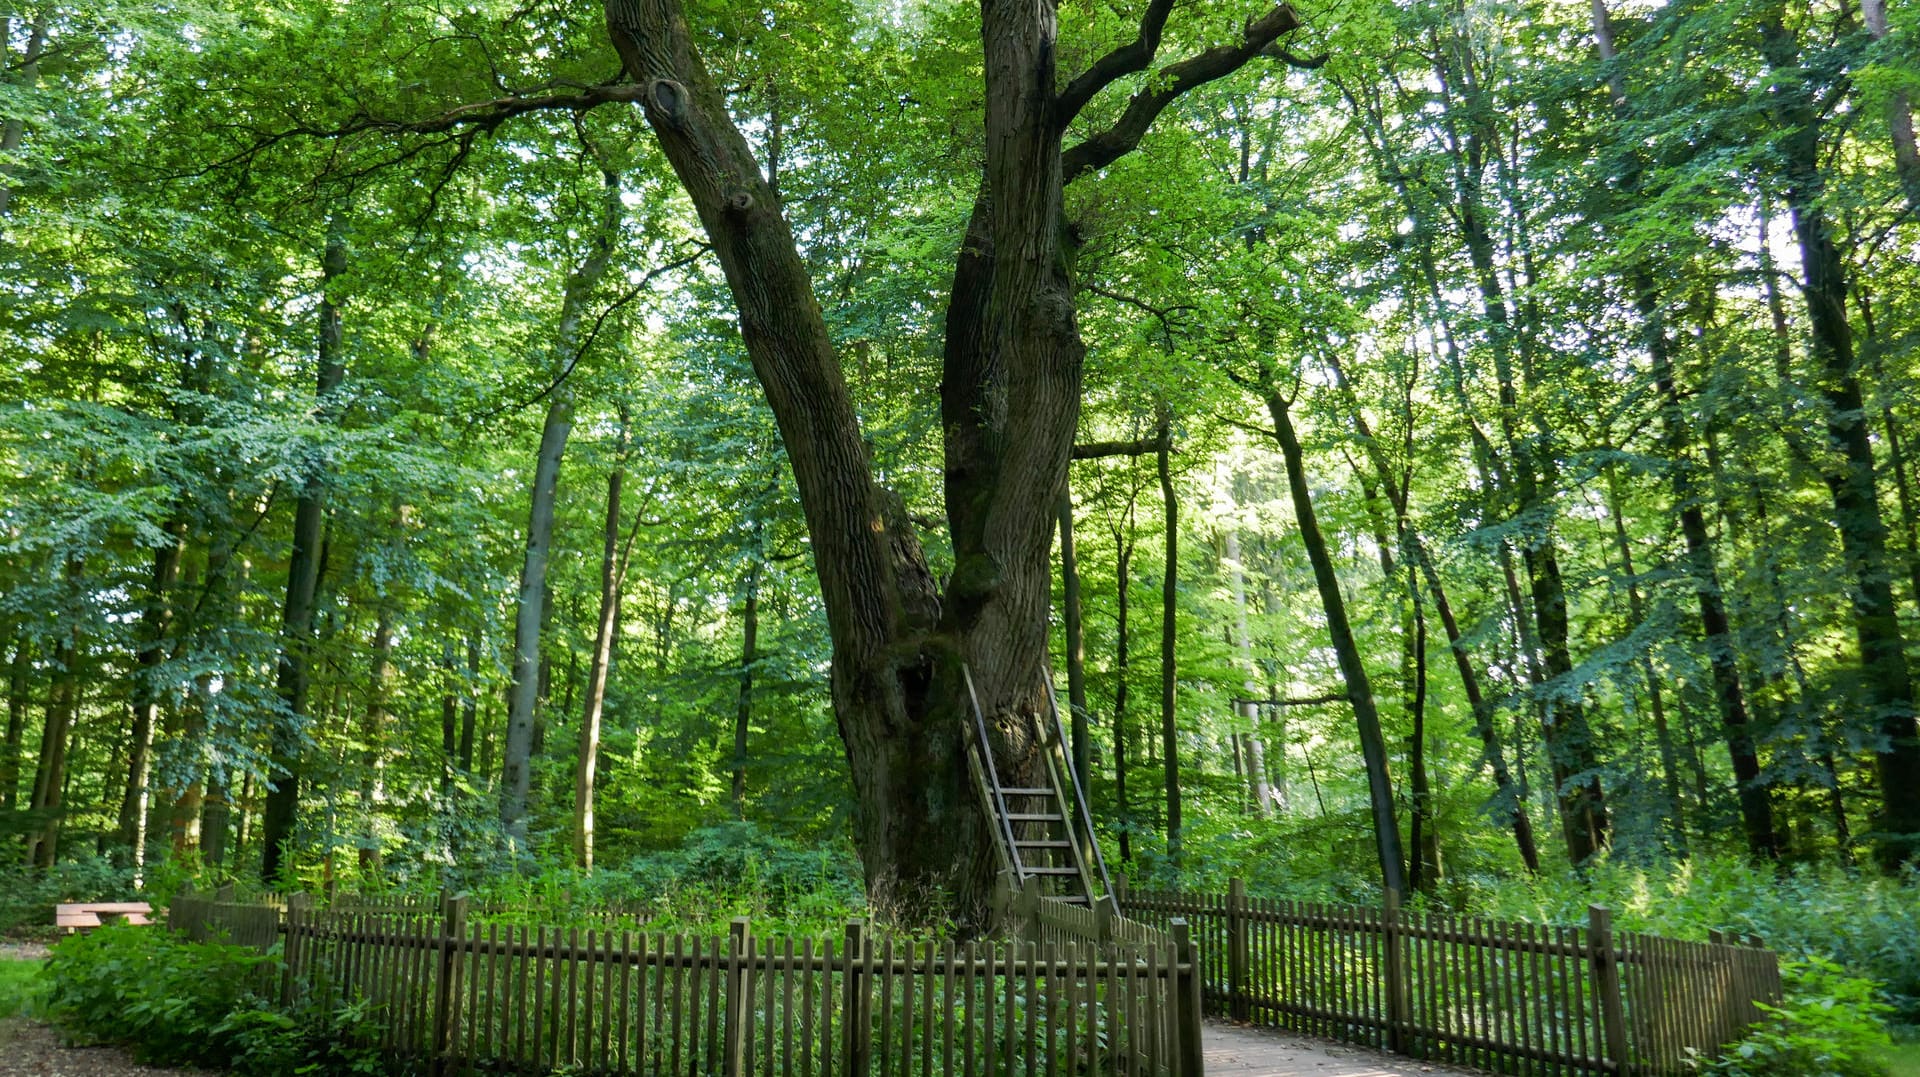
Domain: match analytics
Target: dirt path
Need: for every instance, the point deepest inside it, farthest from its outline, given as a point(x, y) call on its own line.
point(1240, 1051)
point(31, 1049)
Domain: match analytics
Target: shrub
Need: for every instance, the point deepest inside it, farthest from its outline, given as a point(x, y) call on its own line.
point(1831, 1025)
point(164, 997)
point(175, 1002)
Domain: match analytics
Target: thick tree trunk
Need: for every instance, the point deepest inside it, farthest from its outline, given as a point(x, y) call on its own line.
point(605, 626)
point(1009, 394)
point(1850, 481)
point(303, 577)
point(1373, 744)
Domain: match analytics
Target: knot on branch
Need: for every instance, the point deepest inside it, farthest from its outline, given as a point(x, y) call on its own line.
point(669, 99)
point(740, 201)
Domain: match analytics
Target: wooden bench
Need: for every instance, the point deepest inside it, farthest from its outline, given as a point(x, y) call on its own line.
point(84, 916)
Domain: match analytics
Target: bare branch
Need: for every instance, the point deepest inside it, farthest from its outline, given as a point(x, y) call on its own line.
point(1108, 146)
point(1134, 56)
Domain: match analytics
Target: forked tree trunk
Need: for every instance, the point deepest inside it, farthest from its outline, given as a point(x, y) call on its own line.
point(1009, 398)
point(523, 694)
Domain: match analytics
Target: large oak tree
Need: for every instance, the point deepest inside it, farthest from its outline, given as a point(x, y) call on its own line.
point(1009, 401)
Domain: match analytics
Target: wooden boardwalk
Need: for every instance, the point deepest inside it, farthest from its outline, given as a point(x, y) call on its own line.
point(1241, 1051)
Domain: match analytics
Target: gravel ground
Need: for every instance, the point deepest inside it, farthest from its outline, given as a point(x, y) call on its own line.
point(31, 1049)
point(1240, 1051)
point(23, 951)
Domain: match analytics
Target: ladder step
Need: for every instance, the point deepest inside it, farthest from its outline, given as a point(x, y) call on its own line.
point(1044, 844)
point(1033, 817)
point(1072, 899)
point(1027, 792)
point(1053, 871)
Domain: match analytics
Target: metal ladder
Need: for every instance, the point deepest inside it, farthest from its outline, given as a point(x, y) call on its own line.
point(1041, 832)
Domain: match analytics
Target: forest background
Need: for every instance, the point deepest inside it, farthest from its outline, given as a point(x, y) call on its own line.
point(390, 501)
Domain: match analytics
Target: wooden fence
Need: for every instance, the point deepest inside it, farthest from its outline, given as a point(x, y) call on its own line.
point(468, 998)
point(1509, 997)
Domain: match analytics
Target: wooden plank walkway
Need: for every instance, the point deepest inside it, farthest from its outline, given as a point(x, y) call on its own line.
point(1244, 1051)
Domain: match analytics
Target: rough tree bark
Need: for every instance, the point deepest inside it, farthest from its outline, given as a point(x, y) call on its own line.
point(516, 758)
point(303, 576)
point(1009, 398)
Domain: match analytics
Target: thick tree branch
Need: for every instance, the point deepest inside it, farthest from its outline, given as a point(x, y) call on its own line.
point(1108, 146)
point(1134, 56)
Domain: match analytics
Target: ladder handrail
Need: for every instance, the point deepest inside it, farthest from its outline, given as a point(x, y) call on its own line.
point(1079, 796)
point(993, 774)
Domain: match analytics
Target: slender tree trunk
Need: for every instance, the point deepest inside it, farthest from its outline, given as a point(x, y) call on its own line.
point(1075, 629)
point(56, 735)
point(605, 627)
point(1169, 637)
point(19, 700)
point(16, 126)
point(470, 705)
point(155, 618)
point(1851, 482)
point(1122, 662)
point(1249, 710)
point(749, 654)
point(1906, 153)
point(449, 725)
point(1373, 744)
point(517, 756)
point(1425, 867)
point(1510, 797)
point(373, 764)
point(293, 679)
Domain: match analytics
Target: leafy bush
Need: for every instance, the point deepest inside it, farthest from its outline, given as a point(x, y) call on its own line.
point(164, 997)
point(1831, 1025)
point(180, 1003)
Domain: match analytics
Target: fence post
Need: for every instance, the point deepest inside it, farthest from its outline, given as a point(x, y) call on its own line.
point(1237, 1002)
point(1030, 909)
point(1002, 900)
point(292, 955)
point(453, 928)
point(1104, 911)
point(853, 1026)
point(224, 893)
point(739, 992)
point(1189, 1060)
point(1606, 984)
point(1119, 892)
point(1394, 943)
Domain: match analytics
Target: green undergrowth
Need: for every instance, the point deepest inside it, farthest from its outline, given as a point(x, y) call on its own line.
point(19, 987)
point(172, 1002)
